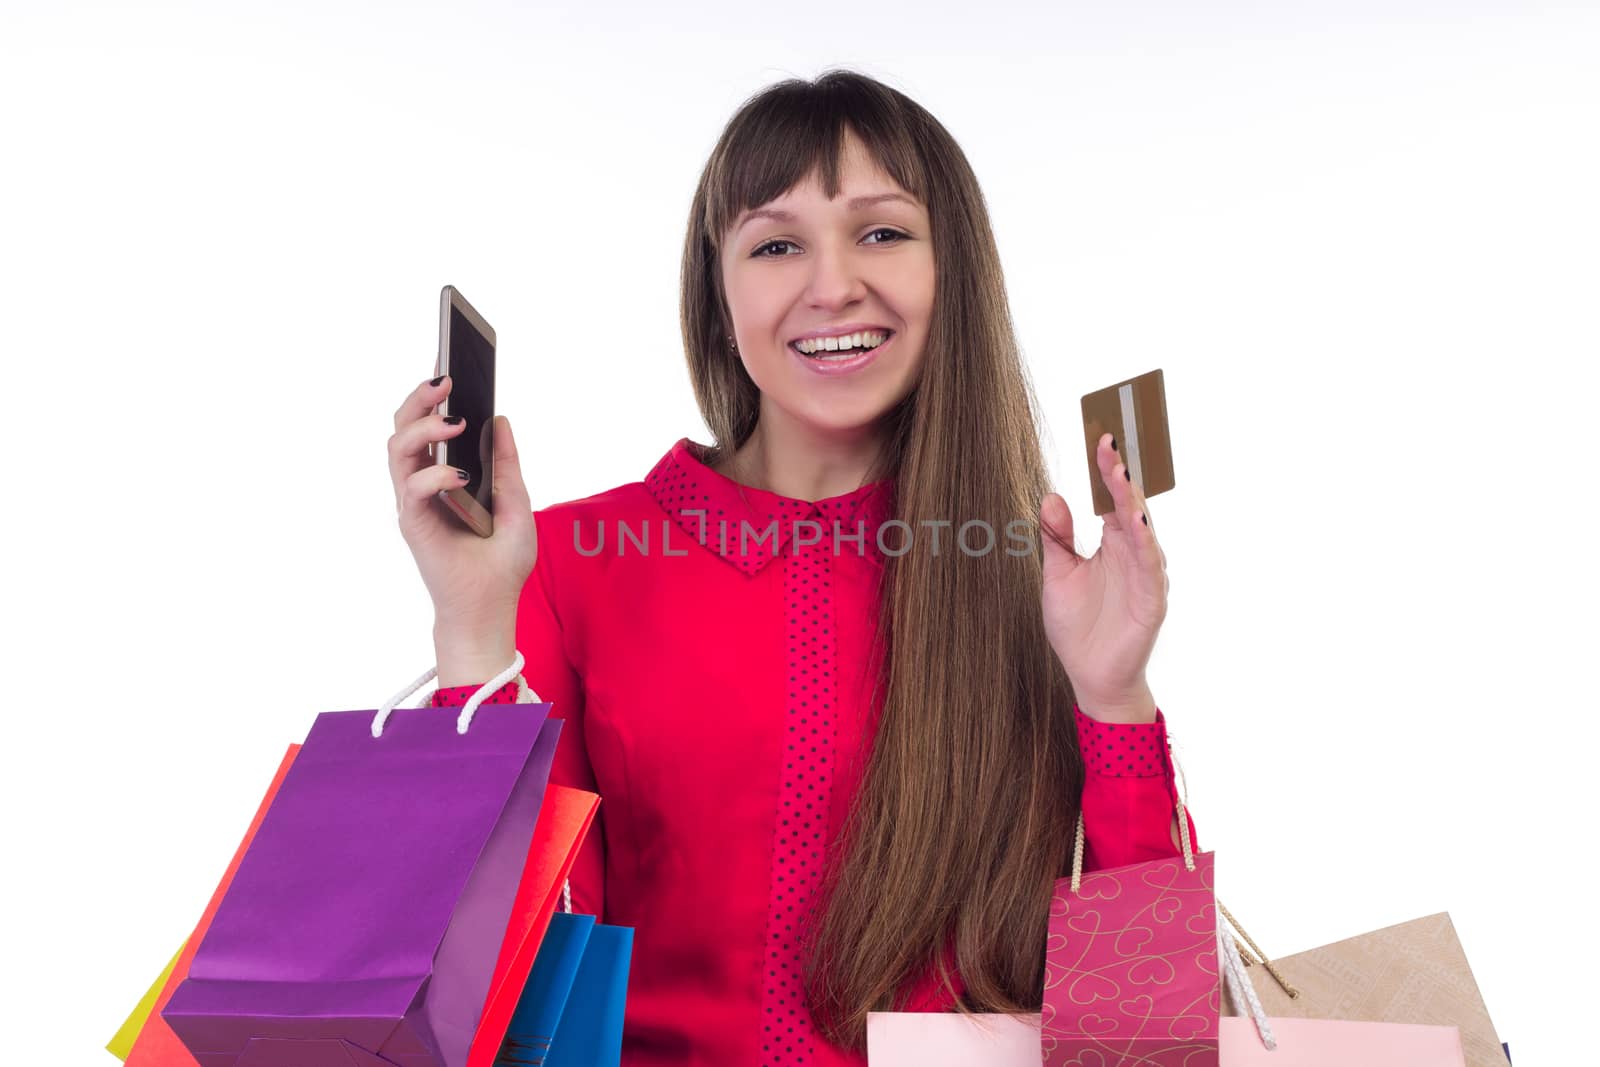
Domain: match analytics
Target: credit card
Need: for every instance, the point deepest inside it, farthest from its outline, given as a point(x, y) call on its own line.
point(1135, 413)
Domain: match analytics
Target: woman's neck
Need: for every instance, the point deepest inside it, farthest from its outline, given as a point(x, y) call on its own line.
point(801, 462)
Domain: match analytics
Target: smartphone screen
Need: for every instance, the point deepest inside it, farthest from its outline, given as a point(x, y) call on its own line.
point(472, 397)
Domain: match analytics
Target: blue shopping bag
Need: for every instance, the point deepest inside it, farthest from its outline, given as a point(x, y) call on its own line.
point(590, 1031)
point(544, 997)
point(571, 1010)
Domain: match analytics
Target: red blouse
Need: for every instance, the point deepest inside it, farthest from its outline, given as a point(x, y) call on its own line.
point(716, 692)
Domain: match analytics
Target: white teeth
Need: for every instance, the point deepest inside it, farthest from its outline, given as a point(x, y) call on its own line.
point(863, 339)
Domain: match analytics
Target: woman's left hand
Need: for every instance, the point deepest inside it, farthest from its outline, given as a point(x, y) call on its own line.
point(1102, 614)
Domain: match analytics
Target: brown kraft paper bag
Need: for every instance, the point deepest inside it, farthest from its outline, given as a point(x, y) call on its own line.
point(1412, 972)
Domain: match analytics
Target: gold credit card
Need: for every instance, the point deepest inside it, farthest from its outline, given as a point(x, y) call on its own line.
point(1135, 413)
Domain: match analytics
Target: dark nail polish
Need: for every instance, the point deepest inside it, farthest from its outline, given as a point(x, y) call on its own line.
point(1113, 444)
point(1144, 518)
point(463, 475)
point(1126, 476)
point(436, 381)
point(452, 420)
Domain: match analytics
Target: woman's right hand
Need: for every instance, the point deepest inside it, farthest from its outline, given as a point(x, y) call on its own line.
point(475, 582)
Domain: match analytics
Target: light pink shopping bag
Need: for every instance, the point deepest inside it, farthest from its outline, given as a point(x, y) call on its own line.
point(1333, 1043)
point(928, 1039)
point(950, 1039)
point(1254, 1039)
point(1131, 975)
point(1411, 972)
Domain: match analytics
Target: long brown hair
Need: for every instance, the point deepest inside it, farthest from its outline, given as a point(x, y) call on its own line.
point(966, 809)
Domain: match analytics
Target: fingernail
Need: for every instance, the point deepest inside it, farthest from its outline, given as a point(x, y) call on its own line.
point(1113, 444)
point(1126, 476)
point(437, 380)
point(452, 420)
point(463, 475)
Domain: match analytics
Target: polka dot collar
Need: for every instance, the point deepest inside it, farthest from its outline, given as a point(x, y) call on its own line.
point(710, 506)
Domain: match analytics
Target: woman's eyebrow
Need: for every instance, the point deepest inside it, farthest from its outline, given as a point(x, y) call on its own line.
point(855, 204)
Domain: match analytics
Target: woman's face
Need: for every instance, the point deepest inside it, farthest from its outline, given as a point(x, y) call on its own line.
point(803, 266)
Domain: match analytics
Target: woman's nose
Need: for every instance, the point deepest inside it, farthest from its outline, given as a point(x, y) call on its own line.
point(836, 277)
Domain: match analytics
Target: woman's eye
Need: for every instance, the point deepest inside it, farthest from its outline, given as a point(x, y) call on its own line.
point(759, 251)
point(894, 237)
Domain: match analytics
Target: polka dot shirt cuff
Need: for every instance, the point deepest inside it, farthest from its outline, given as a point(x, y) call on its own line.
point(457, 695)
point(1122, 749)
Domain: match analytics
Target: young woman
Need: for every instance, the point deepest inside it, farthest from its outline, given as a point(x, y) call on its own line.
point(840, 716)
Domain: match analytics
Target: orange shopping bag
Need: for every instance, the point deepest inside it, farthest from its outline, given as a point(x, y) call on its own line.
point(157, 1045)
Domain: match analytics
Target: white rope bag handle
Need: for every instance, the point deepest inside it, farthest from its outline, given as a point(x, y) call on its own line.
point(1245, 1000)
point(525, 695)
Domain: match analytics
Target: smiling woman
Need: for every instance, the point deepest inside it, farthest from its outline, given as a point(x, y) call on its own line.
point(835, 777)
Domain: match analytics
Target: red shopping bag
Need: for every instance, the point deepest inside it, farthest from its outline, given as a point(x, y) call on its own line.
point(564, 821)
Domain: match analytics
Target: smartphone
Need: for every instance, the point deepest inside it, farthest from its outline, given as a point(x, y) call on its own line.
point(466, 353)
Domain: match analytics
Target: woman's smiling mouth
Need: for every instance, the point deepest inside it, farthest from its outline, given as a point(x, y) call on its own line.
point(850, 352)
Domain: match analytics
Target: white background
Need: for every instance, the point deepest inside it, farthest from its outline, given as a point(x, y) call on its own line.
point(1360, 238)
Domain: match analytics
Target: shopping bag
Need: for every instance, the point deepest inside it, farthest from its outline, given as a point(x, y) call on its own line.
point(365, 921)
point(1131, 973)
point(564, 821)
point(1412, 972)
point(1338, 1043)
point(156, 1045)
point(929, 1039)
point(544, 998)
point(952, 1039)
point(1255, 1040)
point(121, 1042)
point(590, 1031)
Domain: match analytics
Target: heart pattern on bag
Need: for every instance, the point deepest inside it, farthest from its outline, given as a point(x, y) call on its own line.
point(1132, 940)
point(1090, 988)
point(1151, 970)
point(1131, 975)
point(1092, 888)
point(1097, 1024)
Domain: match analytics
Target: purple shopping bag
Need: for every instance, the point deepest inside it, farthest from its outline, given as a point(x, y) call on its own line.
point(364, 922)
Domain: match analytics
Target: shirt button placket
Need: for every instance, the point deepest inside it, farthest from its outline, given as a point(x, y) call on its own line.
point(805, 782)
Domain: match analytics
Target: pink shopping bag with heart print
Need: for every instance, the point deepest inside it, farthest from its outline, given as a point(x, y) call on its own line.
point(1131, 970)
